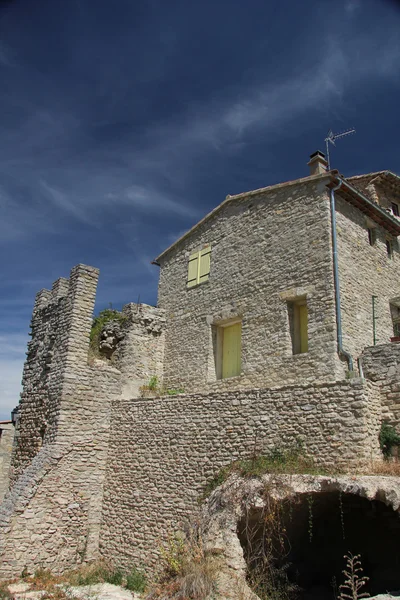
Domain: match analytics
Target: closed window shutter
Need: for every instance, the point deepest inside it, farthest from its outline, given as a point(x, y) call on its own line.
point(193, 269)
point(204, 267)
point(303, 318)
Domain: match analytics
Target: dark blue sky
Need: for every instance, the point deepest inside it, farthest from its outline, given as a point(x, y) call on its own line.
point(124, 122)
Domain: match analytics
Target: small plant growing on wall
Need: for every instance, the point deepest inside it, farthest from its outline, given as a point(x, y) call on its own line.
point(99, 322)
point(151, 387)
point(354, 579)
point(388, 439)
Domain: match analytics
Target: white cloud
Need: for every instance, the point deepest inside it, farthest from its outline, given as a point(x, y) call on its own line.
point(10, 384)
point(149, 200)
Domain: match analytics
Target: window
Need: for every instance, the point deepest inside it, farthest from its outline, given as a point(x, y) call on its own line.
point(199, 267)
point(371, 236)
point(395, 209)
point(298, 322)
point(389, 248)
point(229, 350)
point(395, 312)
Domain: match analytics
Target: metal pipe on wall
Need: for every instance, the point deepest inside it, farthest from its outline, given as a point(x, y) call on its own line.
point(341, 350)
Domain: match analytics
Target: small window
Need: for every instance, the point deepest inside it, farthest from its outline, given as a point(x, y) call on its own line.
point(389, 248)
point(395, 312)
point(371, 236)
point(298, 322)
point(229, 350)
point(199, 267)
point(395, 209)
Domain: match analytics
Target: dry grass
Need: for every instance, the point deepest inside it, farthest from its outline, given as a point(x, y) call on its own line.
point(384, 467)
point(189, 571)
point(57, 587)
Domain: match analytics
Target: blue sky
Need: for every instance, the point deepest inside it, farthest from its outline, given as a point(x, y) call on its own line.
point(123, 123)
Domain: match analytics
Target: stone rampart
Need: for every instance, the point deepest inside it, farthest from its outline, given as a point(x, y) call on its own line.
point(51, 515)
point(164, 450)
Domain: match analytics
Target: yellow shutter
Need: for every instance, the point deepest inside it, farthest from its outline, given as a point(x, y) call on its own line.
point(204, 266)
point(193, 269)
point(231, 350)
point(303, 318)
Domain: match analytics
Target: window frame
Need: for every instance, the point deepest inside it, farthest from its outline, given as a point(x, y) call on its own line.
point(220, 329)
point(371, 236)
point(389, 248)
point(299, 344)
point(198, 260)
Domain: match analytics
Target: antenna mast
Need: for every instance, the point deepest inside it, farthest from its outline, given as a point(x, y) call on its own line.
point(331, 138)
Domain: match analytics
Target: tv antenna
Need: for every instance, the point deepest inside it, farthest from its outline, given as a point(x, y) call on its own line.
point(332, 137)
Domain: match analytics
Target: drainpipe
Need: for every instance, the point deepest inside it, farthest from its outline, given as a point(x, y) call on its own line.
point(341, 350)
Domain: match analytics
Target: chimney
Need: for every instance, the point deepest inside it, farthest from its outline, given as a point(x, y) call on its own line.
point(318, 163)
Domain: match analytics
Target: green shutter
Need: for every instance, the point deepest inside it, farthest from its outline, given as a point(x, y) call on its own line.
point(204, 266)
point(193, 269)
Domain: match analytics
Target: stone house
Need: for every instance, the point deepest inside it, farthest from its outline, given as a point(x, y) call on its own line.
point(250, 295)
point(274, 323)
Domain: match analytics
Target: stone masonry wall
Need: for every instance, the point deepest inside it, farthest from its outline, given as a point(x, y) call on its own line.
point(6, 442)
point(42, 375)
point(381, 365)
point(266, 249)
point(164, 450)
point(364, 271)
point(51, 516)
point(140, 355)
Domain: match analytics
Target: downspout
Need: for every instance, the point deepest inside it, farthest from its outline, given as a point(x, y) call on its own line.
point(341, 350)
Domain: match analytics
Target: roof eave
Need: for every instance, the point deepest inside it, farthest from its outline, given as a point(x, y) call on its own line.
point(228, 199)
point(368, 207)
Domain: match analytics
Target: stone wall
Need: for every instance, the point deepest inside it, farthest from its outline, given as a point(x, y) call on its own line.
point(6, 443)
point(267, 248)
point(381, 365)
point(140, 355)
point(51, 515)
point(164, 450)
point(364, 271)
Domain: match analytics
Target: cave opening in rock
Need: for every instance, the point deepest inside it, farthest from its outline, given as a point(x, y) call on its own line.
point(307, 537)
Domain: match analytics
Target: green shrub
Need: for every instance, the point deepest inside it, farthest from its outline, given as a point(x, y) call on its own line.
point(136, 581)
point(388, 437)
point(104, 316)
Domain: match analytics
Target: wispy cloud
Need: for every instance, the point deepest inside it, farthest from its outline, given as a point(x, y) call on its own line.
point(12, 357)
point(150, 200)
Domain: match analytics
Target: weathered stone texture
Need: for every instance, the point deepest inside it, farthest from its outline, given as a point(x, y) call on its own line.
point(364, 271)
point(164, 450)
point(51, 515)
point(6, 443)
point(267, 249)
point(140, 355)
point(381, 364)
point(230, 502)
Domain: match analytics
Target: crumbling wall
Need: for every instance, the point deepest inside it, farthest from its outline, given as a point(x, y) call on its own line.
point(164, 450)
point(381, 365)
point(51, 515)
point(140, 354)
